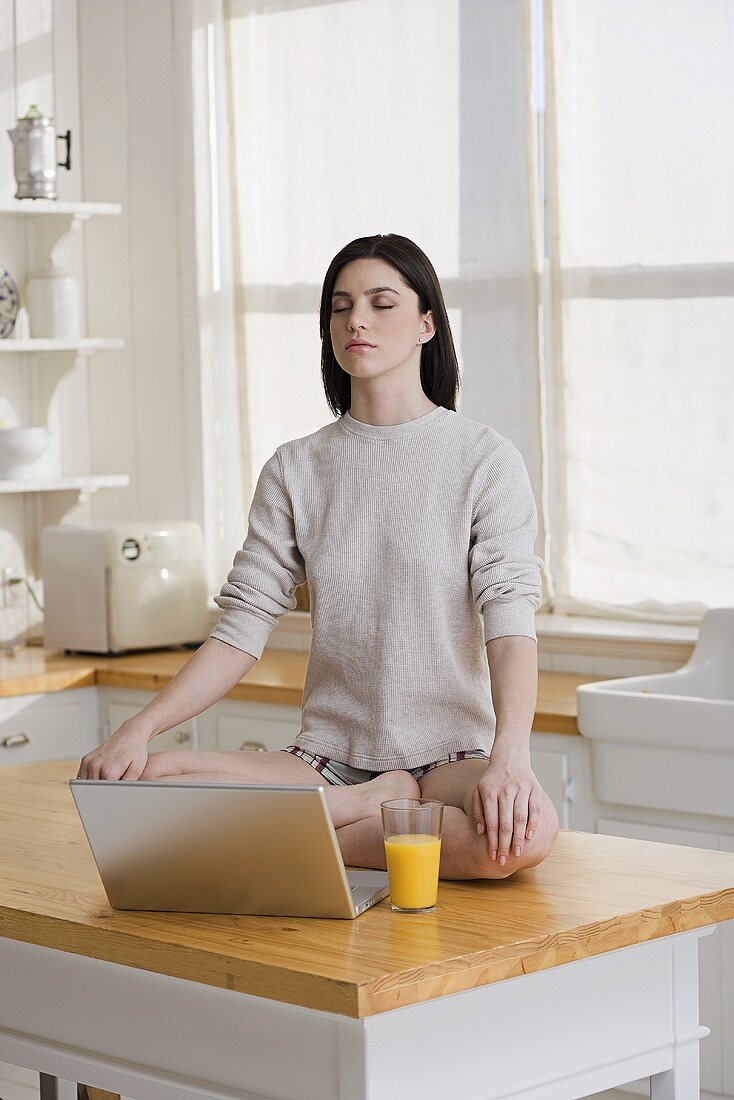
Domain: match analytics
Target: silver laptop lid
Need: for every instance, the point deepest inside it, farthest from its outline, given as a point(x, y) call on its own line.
point(219, 848)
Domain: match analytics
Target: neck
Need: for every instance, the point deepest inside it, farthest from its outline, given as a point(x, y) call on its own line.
point(389, 412)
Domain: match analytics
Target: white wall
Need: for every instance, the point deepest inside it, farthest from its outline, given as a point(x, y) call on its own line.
point(136, 288)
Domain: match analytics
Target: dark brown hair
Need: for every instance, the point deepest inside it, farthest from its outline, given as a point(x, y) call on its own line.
point(439, 365)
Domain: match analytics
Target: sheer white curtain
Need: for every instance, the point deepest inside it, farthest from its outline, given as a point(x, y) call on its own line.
point(640, 116)
point(354, 117)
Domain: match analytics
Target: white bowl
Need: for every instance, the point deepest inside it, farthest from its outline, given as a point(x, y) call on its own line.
point(19, 449)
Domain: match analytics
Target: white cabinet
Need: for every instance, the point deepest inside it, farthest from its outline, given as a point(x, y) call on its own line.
point(118, 704)
point(552, 771)
point(725, 934)
point(227, 725)
point(51, 726)
point(560, 761)
point(709, 954)
point(238, 724)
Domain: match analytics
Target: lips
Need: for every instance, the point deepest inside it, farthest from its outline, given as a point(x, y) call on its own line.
point(359, 344)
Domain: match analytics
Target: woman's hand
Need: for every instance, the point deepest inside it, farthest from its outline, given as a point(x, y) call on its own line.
point(506, 802)
point(122, 756)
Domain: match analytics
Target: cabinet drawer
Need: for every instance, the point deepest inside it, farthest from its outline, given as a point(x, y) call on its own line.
point(238, 724)
point(42, 727)
point(252, 733)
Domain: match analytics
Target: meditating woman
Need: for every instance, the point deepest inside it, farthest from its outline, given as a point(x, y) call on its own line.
point(415, 527)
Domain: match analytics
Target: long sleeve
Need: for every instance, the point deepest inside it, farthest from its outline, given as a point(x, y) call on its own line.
point(265, 572)
point(504, 570)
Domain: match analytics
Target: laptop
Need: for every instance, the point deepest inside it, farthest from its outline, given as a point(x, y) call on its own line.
point(220, 848)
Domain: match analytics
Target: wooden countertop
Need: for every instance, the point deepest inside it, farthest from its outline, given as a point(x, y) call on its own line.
point(278, 677)
point(593, 894)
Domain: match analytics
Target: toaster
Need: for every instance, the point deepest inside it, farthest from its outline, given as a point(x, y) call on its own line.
point(111, 587)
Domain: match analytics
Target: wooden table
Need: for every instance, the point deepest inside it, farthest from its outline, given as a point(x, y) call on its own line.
point(572, 977)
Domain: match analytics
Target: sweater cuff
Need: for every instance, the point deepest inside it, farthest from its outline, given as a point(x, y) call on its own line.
point(243, 631)
point(502, 619)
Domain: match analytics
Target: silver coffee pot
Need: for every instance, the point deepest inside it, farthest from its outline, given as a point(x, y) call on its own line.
point(34, 142)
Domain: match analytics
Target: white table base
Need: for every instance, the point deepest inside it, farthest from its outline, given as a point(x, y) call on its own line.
point(557, 1034)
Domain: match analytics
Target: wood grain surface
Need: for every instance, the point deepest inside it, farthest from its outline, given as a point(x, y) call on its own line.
point(591, 895)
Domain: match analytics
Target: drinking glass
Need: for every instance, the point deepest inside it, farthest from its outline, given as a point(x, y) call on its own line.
point(412, 832)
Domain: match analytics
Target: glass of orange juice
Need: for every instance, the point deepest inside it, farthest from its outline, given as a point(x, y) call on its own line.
point(412, 831)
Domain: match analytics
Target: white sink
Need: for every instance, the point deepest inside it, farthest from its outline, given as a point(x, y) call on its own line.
point(667, 741)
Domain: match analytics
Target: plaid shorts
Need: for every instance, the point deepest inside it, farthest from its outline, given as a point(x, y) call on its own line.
point(343, 775)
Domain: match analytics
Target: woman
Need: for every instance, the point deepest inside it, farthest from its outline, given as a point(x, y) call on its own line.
point(415, 526)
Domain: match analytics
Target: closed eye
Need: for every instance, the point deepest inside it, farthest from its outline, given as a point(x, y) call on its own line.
point(376, 307)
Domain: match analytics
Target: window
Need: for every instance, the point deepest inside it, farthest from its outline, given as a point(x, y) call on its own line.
point(639, 178)
point(566, 164)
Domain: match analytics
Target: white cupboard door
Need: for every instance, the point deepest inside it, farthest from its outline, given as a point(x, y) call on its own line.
point(551, 768)
point(57, 725)
point(182, 736)
point(252, 727)
point(709, 949)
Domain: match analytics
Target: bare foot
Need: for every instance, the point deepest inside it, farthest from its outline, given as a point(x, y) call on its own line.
point(352, 803)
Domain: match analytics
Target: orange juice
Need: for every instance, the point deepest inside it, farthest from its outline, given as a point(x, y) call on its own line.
point(412, 867)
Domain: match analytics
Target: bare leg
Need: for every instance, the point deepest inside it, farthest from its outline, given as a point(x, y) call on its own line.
point(454, 784)
point(345, 804)
point(464, 853)
point(362, 845)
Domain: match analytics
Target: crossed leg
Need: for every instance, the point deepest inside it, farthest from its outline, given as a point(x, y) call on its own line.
point(355, 810)
point(464, 853)
point(346, 805)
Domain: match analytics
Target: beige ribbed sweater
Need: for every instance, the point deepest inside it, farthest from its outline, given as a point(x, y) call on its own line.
point(417, 543)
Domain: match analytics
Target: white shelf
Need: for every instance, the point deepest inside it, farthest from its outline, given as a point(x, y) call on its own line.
point(48, 498)
point(51, 220)
point(80, 210)
point(84, 346)
point(83, 483)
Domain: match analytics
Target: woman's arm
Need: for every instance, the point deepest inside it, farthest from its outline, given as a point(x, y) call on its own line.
point(208, 675)
point(513, 671)
point(506, 802)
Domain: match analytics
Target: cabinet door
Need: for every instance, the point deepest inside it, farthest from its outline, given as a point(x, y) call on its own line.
point(709, 949)
point(182, 736)
point(57, 725)
point(237, 724)
point(551, 769)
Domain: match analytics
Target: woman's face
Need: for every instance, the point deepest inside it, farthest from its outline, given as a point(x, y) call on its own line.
point(372, 303)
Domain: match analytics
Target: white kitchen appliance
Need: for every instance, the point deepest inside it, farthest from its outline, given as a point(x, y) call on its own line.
point(110, 587)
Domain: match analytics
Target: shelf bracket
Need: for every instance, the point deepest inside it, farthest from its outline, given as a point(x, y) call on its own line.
point(49, 231)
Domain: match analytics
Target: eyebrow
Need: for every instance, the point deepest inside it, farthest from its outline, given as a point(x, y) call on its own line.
point(374, 290)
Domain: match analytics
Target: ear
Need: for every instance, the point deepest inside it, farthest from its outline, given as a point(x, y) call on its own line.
point(428, 327)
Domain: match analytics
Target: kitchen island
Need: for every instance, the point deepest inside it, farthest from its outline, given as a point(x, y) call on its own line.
point(562, 980)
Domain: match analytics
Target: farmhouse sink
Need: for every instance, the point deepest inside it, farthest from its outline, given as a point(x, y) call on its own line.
point(667, 741)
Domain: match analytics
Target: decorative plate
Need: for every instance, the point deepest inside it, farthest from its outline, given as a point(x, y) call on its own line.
point(9, 302)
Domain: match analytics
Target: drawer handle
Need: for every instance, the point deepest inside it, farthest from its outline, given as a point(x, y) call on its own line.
point(253, 746)
point(15, 739)
point(182, 737)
